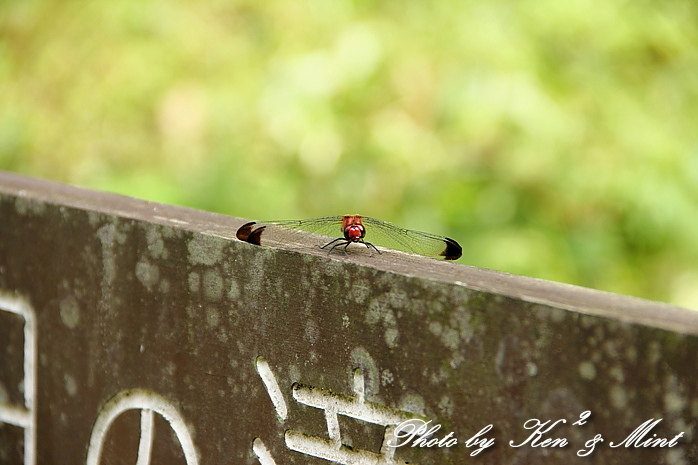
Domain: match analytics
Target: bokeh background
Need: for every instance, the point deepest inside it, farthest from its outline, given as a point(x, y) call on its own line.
point(552, 139)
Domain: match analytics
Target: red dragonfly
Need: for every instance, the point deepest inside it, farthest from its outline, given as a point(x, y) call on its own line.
point(353, 229)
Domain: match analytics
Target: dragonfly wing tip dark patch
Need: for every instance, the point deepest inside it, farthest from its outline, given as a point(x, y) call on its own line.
point(247, 233)
point(453, 250)
point(245, 230)
point(256, 236)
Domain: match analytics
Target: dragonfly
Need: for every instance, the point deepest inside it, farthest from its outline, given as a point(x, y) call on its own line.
point(353, 229)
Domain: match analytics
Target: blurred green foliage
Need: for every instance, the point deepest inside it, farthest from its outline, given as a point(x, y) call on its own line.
point(552, 139)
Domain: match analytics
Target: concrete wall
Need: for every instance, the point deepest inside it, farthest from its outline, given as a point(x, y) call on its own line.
point(131, 330)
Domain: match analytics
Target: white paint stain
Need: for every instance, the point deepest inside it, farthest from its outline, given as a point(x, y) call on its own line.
point(269, 380)
point(260, 450)
point(145, 445)
point(333, 405)
point(23, 416)
point(148, 402)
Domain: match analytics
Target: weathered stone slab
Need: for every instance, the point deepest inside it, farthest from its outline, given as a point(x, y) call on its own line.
point(128, 328)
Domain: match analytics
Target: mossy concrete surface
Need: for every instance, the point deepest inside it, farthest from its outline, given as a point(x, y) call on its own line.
point(233, 344)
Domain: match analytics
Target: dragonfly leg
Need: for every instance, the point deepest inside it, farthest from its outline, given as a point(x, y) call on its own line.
point(339, 242)
point(339, 239)
point(369, 245)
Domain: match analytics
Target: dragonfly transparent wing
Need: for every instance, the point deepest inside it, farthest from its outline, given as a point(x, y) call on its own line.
point(394, 237)
point(329, 228)
point(289, 231)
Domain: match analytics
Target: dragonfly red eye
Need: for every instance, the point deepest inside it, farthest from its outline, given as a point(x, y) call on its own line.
point(354, 233)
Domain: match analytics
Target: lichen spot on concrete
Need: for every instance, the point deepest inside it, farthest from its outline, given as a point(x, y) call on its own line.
point(617, 374)
point(311, 331)
point(360, 358)
point(294, 373)
point(170, 368)
point(147, 273)
point(213, 285)
point(94, 218)
point(379, 311)
point(194, 280)
point(25, 205)
point(674, 401)
point(212, 317)
point(446, 405)
point(619, 397)
point(391, 337)
point(450, 338)
point(556, 315)
point(71, 387)
point(587, 371)
point(70, 312)
point(413, 403)
point(387, 377)
point(398, 299)
point(531, 369)
point(359, 291)
point(373, 314)
point(205, 250)
point(234, 291)
point(156, 246)
point(109, 236)
point(435, 328)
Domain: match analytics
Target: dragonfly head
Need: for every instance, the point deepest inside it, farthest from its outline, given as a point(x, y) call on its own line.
point(354, 232)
